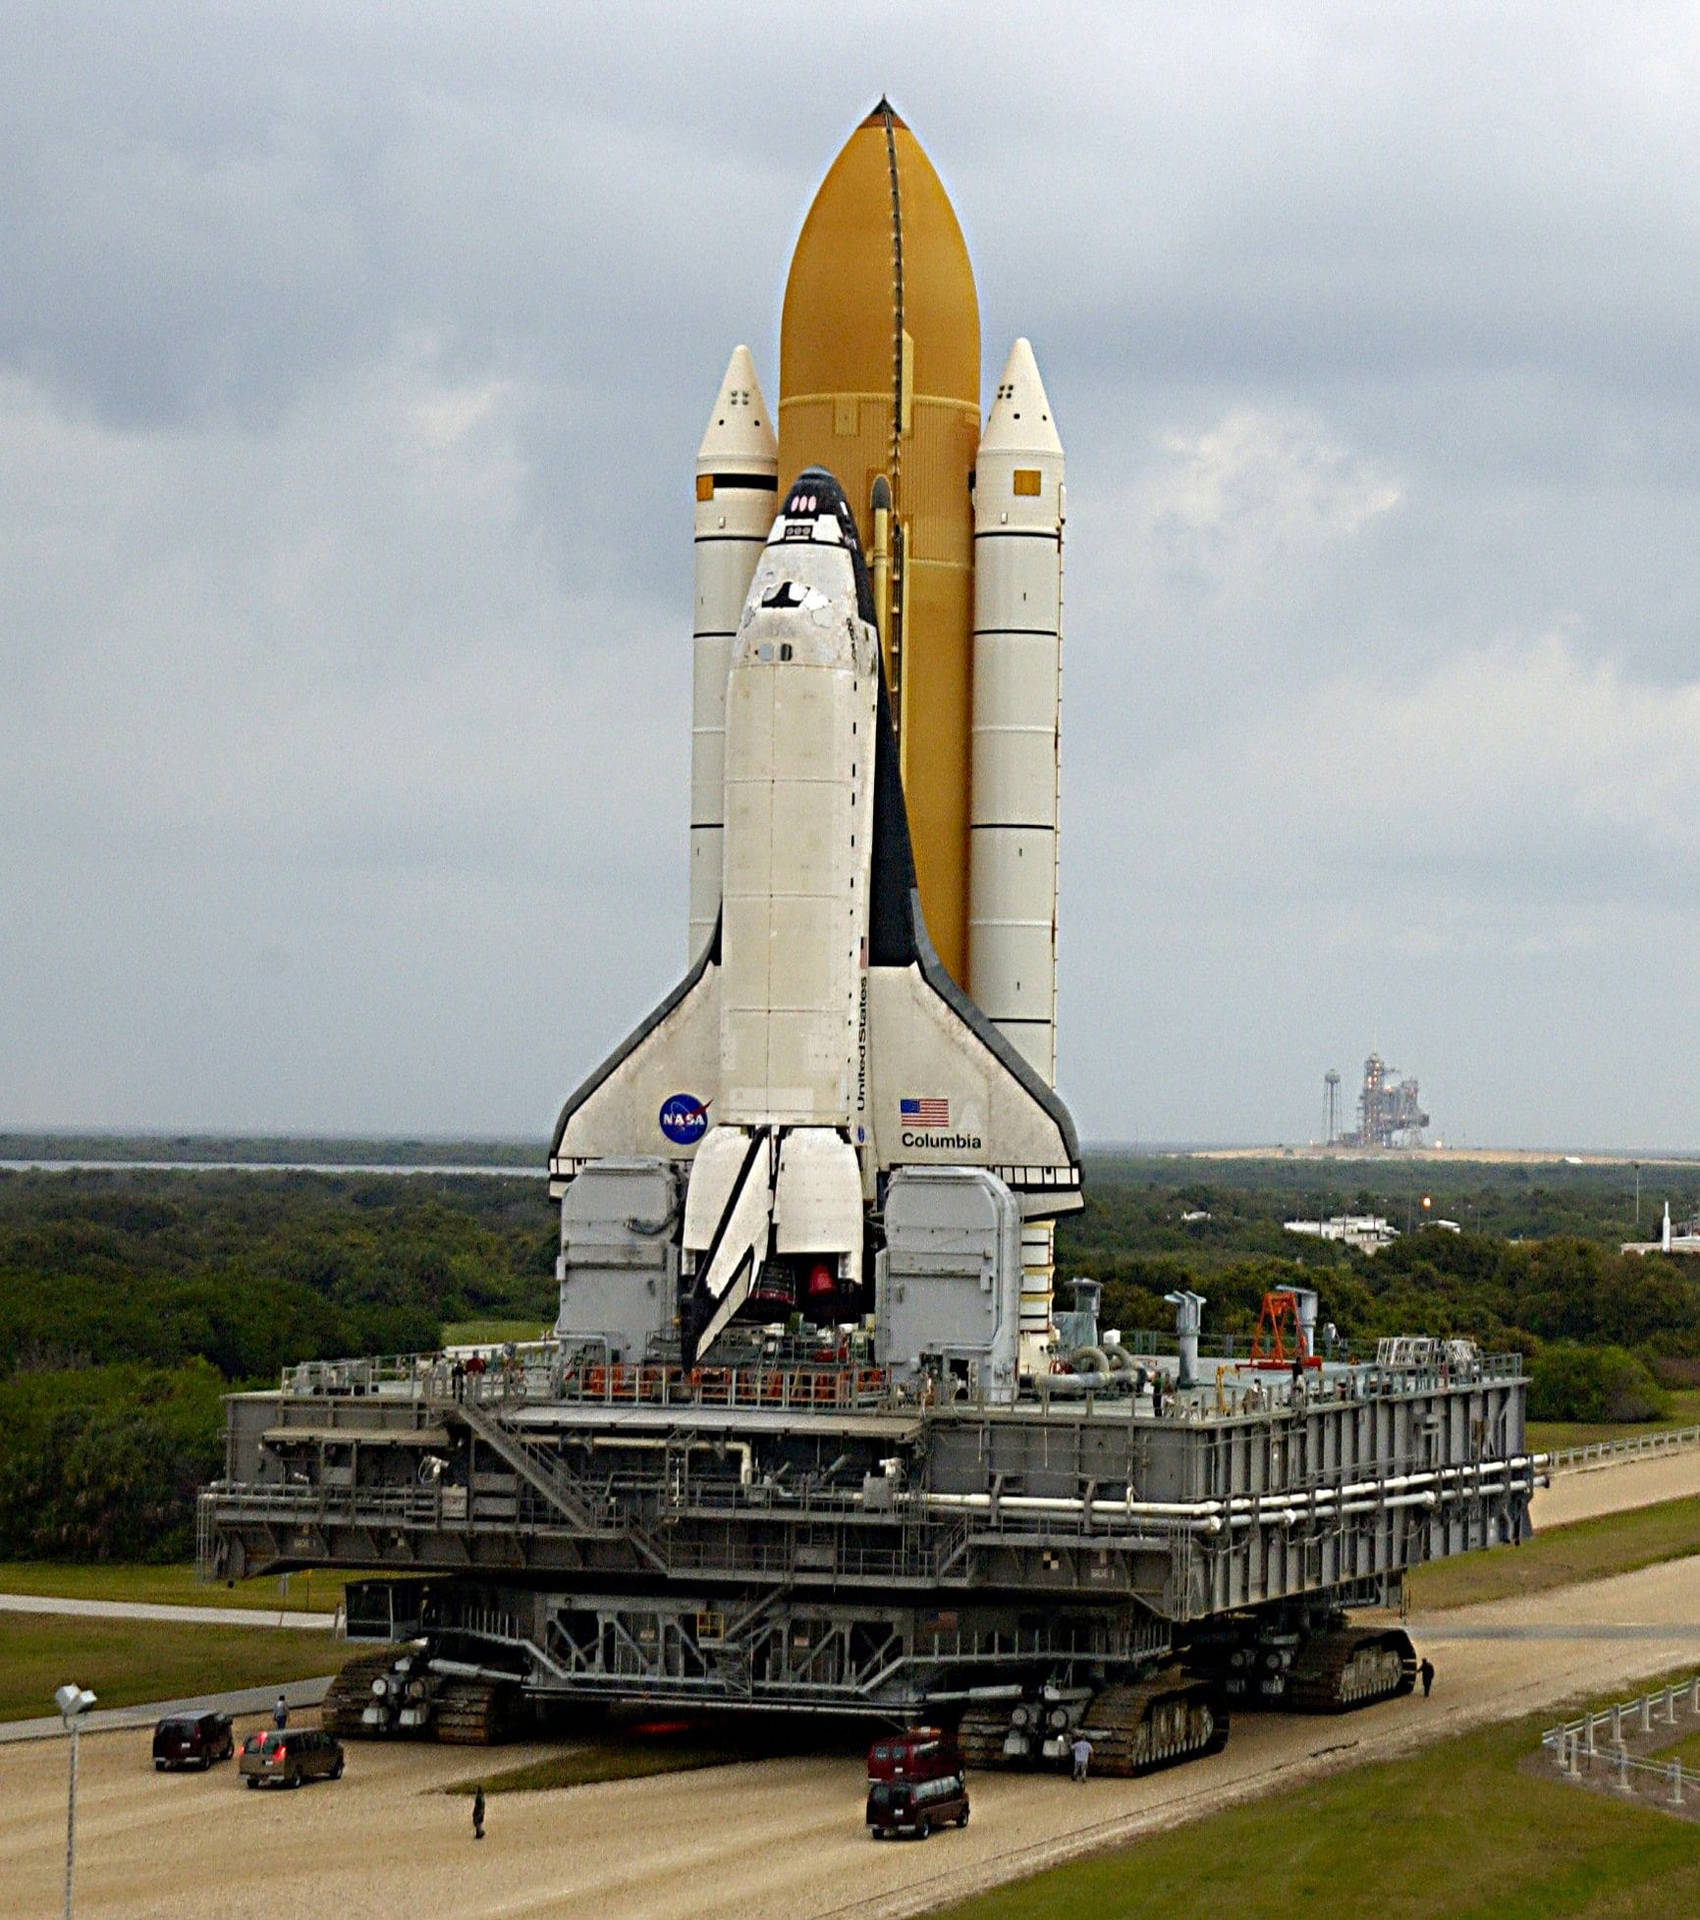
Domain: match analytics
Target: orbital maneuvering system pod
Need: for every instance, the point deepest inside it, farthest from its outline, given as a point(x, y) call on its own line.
point(873, 782)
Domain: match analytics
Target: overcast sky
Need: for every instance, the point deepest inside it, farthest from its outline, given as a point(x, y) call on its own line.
point(352, 364)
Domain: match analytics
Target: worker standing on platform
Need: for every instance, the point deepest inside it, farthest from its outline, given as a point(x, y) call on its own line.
point(1081, 1752)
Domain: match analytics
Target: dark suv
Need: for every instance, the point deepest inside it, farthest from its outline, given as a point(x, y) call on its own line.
point(288, 1758)
point(192, 1740)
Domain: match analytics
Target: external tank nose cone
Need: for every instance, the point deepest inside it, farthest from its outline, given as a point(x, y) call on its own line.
point(876, 259)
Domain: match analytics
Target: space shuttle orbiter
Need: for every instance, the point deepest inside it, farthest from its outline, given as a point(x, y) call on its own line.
point(816, 1043)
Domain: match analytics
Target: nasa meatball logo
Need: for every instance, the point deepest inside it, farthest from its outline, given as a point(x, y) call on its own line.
point(684, 1119)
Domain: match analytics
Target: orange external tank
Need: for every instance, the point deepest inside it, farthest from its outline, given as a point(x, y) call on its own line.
point(879, 374)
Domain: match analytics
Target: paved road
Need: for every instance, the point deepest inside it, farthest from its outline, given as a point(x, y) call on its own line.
point(261, 1700)
point(1585, 1493)
point(173, 1615)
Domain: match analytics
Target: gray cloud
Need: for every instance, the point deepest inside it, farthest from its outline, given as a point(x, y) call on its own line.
point(351, 367)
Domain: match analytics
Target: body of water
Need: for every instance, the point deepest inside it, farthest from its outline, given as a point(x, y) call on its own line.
point(263, 1166)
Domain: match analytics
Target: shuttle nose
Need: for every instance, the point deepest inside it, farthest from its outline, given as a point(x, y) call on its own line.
point(816, 496)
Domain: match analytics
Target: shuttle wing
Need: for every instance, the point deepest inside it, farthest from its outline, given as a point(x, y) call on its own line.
point(655, 1093)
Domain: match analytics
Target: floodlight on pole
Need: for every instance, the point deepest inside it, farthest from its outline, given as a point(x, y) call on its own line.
point(73, 1702)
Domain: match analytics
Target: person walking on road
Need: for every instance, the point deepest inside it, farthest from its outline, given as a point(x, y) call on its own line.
point(1081, 1752)
point(280, 1714)
point(1426, 1670)
point(478, 1813)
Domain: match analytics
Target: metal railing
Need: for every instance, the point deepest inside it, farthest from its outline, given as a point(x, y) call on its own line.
point(1612, 1453)
point(226, 1500)
point(787, 1385)
point(538, 1371)
point(1599, 1742)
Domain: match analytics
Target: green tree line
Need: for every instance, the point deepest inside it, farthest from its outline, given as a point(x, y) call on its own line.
point(131, 1300)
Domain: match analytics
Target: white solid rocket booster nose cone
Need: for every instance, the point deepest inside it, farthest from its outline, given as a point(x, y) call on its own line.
point(1020, 420)
point(737, 492)
point(739, 435)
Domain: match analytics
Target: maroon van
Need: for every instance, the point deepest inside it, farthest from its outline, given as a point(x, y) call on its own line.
point(915, 1783)
point(192, 1740)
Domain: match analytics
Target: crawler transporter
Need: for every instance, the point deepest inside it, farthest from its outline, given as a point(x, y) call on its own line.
point(823, 1520)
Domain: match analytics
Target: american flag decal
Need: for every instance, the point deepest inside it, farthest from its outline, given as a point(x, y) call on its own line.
point(927, 1111)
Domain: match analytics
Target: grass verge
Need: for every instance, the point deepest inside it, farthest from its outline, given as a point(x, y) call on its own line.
point(1455, 1830)
point(1562, 1556)
point(1542, 1436)
point(479, 1333)
point(171, 1586)
point(127, 1662)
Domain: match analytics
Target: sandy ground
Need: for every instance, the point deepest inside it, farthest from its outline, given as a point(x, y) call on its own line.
point(1584, 1494)
point(770, 1841)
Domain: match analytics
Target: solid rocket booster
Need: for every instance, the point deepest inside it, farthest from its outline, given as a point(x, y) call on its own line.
point(1019, 507)
point(737, 487)
point(879, 373)
point(1012, 888)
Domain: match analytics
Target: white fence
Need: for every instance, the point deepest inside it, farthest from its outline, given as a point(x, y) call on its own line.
point(1600, 1742)
point(1613, 1453)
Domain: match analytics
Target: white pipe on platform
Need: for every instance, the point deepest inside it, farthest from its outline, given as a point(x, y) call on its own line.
point(1271, 1509)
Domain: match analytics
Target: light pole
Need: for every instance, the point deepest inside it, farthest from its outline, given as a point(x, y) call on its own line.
point(73, 1702)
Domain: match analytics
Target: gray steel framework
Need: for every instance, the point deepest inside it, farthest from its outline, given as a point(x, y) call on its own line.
point(854, 1555)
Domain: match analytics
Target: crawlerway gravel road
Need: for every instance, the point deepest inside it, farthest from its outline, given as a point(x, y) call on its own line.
point(778, 1840)
point(1584, 1494)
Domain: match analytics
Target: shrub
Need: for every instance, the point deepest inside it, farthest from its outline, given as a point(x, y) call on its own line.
point(1593, 1383)
point(102, 1463)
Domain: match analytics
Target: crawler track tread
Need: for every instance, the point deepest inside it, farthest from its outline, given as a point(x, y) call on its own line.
point(1349, 1668)
point(981, 1736)
point(473, 1713)
point(350, 1693)
point(1143, 1726)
